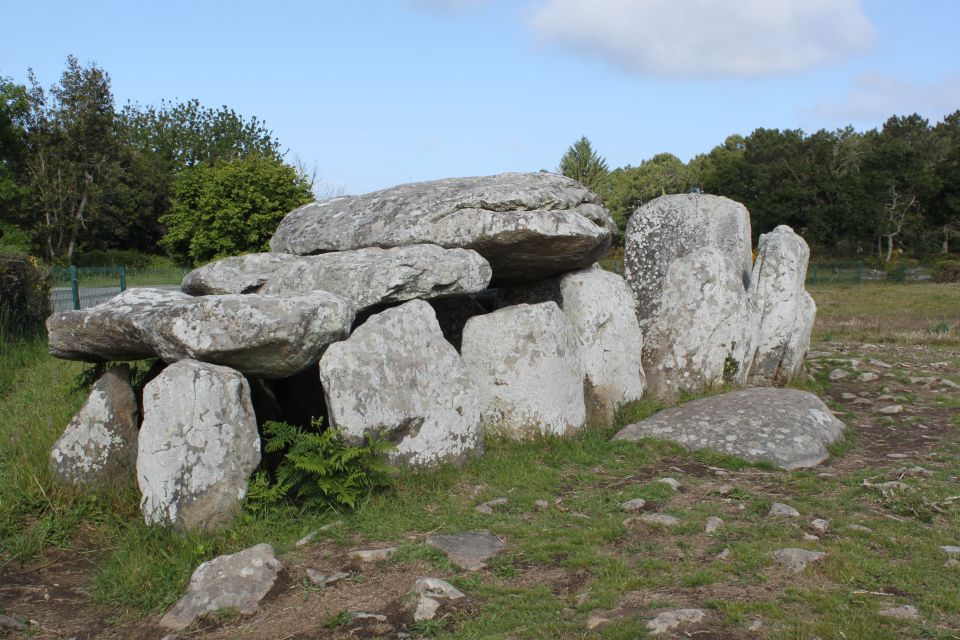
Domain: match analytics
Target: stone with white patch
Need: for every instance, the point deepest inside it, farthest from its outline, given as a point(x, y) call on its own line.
point(397, 377)
point(526, 361)
point(529, 226)
point(237, 581)
point(99, 446)
point(786, 427)
point(703, 332)
point(796, 560)
point(198, 445)
point(784, 311)
point(669, 620)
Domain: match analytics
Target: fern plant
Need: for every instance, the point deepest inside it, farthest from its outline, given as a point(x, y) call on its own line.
point(317, 470)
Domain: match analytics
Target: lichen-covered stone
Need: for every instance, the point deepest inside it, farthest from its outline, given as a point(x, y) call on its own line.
point(675, 226)
point(397, 377)
point(529, 226)
point(785, 427)
point(198, 445)
point(99, 446)
point(365, 277)
point(702, 336)
point(260, 335)
point(784, 311)
point(526, 360)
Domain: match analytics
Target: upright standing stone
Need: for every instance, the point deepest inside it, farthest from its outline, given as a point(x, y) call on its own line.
point(785, 311)
point(198, 445)
point(526, 360)
point(702, 336)
point(397, 377)
point(529, 226)
point(99, 445)
point(675, 226)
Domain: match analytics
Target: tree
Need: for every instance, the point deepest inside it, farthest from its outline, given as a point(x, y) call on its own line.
point(228, 208)
point(14, 110)
point(582, 163)
point(945, 207)
point(630, 187)
point(73, 156)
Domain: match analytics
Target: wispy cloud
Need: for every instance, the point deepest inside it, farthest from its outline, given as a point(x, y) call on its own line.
point(707, 38)
point(875, 96)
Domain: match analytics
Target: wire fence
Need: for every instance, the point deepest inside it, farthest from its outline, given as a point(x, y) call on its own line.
point(82, 287)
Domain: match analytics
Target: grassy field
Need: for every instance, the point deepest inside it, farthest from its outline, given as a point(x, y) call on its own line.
point(88, 567)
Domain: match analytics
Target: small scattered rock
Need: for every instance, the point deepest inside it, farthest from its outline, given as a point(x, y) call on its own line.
point(659, 519)
point(879, 363)
point(952, 563)
point(595, 623)
point(376, 617)
point(541, 504)
point(669, 620)
point(725, 554)
point(914, 471)
point(468, 550)
point(487, 507)
point(674, 483)
point(848, 396)
point(809, 537)
point(755, 626)
point(780, 509)
point(884, 397)
point(860, 527)
point(949, 549)
point(820, 525)
point(6, 622)
point(891, 409)
point(950, 384)
point(307, 539)
point(633, 505)
point(837, 374)
point(903, 612)
point(898, 456)
point(797, 559)
point(867, 376)
point(437, 588)
point(323, 580)
point(862, 401)
point(373, 555)
point(724, 489)
point(427, 609)
point(714, 524)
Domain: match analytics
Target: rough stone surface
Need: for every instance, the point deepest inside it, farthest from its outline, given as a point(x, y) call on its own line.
point(487, 507)
point(780, 509)
point(796, 560)
point(659, 519)
point(867, 376)
point(365, 277)
point(373, 555)
point(198, 445)
point(676, 226)
point(837, 374)
point(786, 427)
point(784, 310)
point(397, 377)
point(669, 620)
point(427, 608)
point(703, 332)
point(903, 612)
point(633, 505)
point(469, 550)
point(236, 581)
point(529, 226)
point(267, 336)
point(891, 409)
point(601, 308)
point(437, 588)
point(526, 360)
point(713, 525)
point(99, 445)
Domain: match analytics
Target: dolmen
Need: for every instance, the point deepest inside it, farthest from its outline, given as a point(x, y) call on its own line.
point(432, 315)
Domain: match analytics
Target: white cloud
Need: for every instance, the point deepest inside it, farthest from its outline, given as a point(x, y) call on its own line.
point(707, 38)
point(878, 96)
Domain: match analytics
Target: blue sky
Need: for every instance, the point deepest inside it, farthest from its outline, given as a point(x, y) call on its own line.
point(375, 93)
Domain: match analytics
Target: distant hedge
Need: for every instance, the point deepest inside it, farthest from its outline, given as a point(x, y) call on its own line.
point(24, 294)
point(946, 271)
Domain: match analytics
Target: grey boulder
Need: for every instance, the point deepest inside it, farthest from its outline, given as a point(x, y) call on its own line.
point(237, 581)
point(365, 277)
point(703, 333)
point(785, 427)
point(198, 445)
point(99, 446)
point(397, 377)
point(784, 310)
point(526, 361)
point(260, 335)
point(529, 226)
point(675, 226)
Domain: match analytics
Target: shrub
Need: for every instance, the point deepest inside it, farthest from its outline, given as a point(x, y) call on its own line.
point(24, 293)
point(947, 271)
point(317, 470)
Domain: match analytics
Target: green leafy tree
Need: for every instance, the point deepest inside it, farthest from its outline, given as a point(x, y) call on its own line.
point(945, 205)
point(627, 188)
point(14, 111)
point(231, 208)
point(582, 163)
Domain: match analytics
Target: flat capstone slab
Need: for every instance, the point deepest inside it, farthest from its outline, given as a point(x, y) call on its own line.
point(469, 550)
point(785, 427)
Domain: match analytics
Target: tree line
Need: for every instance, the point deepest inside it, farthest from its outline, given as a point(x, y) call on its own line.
point(77, 173)
point(879, 192)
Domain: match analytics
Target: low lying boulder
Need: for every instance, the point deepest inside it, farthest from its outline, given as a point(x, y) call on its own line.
point(260, 335)
point(526, 361)
point(99, 446)
point(529, 226)
point(397, 377)
point(365, 277)
point(197, 447)
point(785, 427)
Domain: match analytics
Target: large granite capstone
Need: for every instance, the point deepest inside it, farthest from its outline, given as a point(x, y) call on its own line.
point(785, 427)
point(365, 277)
point(529, 226)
